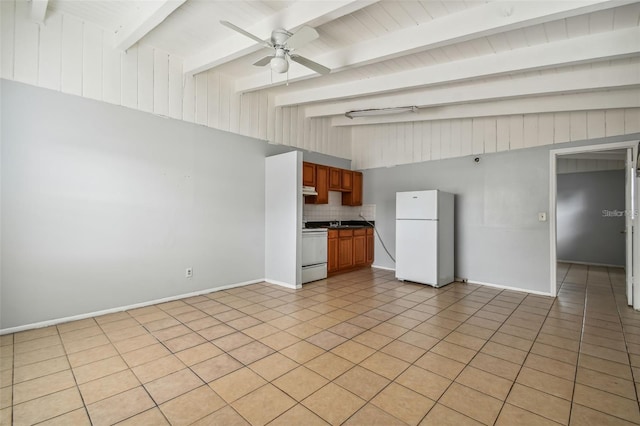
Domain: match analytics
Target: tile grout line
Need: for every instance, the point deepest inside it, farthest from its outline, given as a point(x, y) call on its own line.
point(443, 338)
point(327, 291)
point(584, 318)
point(575, 383)
point(376, 351)
point(129, 368)
point(523, 361)
point(624, 336)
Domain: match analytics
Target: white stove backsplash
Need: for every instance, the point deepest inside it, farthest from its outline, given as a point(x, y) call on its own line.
point(336, 211)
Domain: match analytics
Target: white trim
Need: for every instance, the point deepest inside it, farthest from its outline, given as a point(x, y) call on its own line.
point(600, 147)
point(124, 308)
point(553, 200)
point(553, 195)
point(383, 267)
point(506, 287)
point(282, 284)
point(590, 263)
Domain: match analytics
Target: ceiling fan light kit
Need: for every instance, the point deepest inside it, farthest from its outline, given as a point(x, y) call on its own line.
point(284, 43)
point(380, 111)
point(279, 62)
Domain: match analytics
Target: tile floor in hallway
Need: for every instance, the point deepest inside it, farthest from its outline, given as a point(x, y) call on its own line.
point(356, 349)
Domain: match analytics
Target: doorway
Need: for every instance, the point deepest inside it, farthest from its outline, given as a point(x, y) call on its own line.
point(601, 222)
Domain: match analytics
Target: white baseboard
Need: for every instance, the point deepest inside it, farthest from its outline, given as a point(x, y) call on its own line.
point(506, 287)
point(123, 308)
point(209, 290)
point(282, 284)
point(383, 267)
point(591, 264)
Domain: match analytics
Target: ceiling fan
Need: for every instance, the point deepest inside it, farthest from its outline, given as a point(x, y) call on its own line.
point(283, 44)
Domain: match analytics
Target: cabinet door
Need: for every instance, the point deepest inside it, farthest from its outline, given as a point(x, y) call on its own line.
point(345, 252)
point(347, 180)
point(332, 255)
point(354, 197)
point(359, 250)
point(335, 179)
point(308, 174)
point(370, 245)
point(357, 189)
point(322, 184)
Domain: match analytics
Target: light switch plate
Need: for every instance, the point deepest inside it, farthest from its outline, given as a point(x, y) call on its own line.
point(542, 217)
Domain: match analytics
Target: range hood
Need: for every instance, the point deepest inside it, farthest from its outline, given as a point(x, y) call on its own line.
point(309, 190)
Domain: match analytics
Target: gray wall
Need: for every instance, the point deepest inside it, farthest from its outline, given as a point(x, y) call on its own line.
point(498, 237)
point(585, 234)
point(103, 206)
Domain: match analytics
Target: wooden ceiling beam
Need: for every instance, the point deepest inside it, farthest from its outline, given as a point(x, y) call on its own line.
point(491, 18)
point(291, 18)
point(601, 100)
point(148, 15)
point(38, 10)
point(591, 48)
point(606, 76)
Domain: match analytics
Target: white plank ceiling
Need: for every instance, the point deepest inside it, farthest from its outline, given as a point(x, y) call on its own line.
point(469, 66)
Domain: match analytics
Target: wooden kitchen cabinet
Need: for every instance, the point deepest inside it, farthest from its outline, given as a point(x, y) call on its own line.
point(349, 249)
point(354, 198)
point(359, 247)
point(332, 252)
point(325, 179)
point(308, 174)
point(335, 179)
point(347, 180)
point(345, 249)
point(322, 186)
point(370, 246)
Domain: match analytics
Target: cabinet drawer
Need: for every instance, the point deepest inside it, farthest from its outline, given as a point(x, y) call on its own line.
point(359, 232)
point(369, 231)
point(346, 233)
point(333, 233)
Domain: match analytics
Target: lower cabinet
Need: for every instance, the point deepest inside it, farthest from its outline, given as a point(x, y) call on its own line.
point(349, 248)
point(345, 249)
point(359, 247)
point(332, 252)
point(370, 245)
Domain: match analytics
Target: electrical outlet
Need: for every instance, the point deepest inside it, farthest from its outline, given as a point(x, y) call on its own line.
point(188, 273)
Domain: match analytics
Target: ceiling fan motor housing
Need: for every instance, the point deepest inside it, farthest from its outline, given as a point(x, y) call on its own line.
point(279, 37)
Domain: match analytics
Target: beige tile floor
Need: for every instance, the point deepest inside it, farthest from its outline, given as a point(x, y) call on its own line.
point(356, 349)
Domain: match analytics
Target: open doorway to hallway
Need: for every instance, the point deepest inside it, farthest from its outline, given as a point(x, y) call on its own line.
point(593, 210)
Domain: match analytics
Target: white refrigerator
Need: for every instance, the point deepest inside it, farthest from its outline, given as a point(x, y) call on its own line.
point(424, 237)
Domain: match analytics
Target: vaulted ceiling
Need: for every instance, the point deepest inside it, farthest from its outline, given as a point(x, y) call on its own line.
point(451, 59)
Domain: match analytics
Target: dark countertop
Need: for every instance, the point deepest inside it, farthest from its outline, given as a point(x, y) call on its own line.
point(345, 224)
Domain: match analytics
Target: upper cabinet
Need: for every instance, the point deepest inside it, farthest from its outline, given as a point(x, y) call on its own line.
point(322, 186)
point(347, 180)
point(308, 174)
point(335, 179)
point(325, 179)
point(354, 198)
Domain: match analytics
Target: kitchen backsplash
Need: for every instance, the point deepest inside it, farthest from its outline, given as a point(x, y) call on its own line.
point(336, 211)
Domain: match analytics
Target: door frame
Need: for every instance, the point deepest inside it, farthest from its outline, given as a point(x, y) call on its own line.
point(633, 291)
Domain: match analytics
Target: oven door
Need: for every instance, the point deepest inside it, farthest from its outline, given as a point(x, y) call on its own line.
point(314, 247)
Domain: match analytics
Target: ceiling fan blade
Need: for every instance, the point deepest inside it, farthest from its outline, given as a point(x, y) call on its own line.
point(264, 61)
point(245, 33)
point(320, 69)
point(301, 37)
